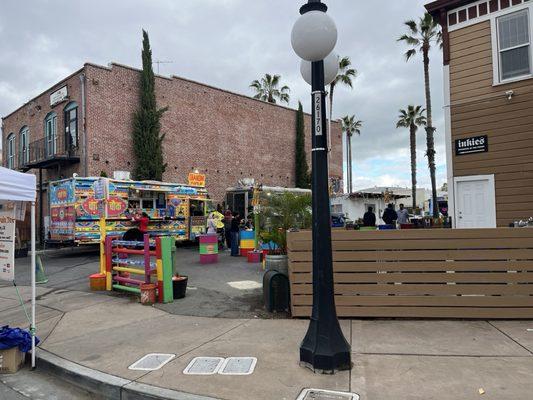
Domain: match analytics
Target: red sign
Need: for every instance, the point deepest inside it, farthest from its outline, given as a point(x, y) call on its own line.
point(90, 205)
point(116, 206)
point(62, 223)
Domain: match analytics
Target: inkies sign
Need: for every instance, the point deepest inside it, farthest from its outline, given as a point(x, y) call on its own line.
point(477, 144)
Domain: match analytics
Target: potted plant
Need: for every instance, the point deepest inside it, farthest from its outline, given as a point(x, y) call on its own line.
point(179, 286)
point(283, 212)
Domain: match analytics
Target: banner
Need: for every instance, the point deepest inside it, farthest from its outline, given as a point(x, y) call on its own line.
point(7, 241)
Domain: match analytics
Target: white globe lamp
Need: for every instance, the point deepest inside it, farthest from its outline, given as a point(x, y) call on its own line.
point(331, 69)
point(314, 36)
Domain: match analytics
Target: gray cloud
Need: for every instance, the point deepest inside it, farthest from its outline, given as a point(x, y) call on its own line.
point(228, 43)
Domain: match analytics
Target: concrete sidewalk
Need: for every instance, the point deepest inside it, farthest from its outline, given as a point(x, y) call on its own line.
point(393, 359)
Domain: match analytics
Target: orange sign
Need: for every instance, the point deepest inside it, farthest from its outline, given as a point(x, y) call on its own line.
point(61, 194)
point(196, 179)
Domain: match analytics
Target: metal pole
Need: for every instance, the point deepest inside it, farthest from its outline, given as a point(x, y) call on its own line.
point(32, 327)
point(324, 348)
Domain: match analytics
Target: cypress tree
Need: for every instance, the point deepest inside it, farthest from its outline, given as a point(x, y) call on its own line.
point(302, 171)
point(147, 137)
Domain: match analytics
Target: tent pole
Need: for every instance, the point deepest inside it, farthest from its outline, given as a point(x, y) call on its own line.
point(32, 327)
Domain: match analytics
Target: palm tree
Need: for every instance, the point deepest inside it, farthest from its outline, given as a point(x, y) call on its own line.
point(412, 118)
point(267, 89)
point(420, 37)
point(350, 126)
point(345, 76)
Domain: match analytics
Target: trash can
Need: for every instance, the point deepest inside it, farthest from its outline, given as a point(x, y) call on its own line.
point(147, 293)
point(179, 286)
point(275, 291)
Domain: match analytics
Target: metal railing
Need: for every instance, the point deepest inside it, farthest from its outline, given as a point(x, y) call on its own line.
point(42, 150)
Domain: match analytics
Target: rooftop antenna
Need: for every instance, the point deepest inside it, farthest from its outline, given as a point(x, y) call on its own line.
point(159, 62)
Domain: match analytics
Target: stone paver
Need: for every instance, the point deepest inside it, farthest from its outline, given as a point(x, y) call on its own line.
point(277, 374)
point(393, 377)
point(432, 337)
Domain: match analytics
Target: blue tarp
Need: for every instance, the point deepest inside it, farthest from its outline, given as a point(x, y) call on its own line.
point(15, 337)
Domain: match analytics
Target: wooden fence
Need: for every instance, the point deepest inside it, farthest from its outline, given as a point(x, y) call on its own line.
point(439, 273)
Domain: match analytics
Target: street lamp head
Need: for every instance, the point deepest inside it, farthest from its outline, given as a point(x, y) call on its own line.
point(314, 36)
point(331, 69)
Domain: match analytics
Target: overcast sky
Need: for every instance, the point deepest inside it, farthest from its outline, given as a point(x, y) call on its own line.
point(228, 43)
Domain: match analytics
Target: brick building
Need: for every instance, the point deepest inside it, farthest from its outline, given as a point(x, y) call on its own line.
point(83, 125)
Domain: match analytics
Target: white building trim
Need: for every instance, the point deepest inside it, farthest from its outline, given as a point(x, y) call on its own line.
point(449, 144)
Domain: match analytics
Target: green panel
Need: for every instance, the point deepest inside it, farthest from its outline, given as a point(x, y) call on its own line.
point(127, 288)
point(204, 248)
point(167, 244)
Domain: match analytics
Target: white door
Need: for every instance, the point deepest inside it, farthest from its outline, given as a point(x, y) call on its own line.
point(475, 202)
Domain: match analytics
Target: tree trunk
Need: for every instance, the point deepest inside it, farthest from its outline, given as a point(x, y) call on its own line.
point(349, 166)
point(413, 164)
point(331, 89)
point(430, 130)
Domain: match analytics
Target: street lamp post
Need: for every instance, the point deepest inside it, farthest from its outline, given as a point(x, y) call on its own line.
point(324, 348)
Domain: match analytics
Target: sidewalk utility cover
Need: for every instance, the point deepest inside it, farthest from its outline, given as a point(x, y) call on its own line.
point(203, 366)
point(151, 362)
point(319, 394)
point(238, 366)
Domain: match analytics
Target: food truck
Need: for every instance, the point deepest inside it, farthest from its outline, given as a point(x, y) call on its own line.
point(78, 207)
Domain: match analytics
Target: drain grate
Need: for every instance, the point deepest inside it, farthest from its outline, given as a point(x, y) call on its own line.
point(319, 394)
point(151, 362)
point(238, 366)
point(203, 366)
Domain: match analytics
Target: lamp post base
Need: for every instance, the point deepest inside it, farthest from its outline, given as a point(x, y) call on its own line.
point(325, 352)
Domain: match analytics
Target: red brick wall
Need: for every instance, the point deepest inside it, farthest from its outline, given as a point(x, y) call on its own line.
point(33, 113)
point(225, 135)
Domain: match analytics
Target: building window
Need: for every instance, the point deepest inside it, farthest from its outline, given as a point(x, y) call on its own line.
point(24, 146)
point(11, 151)
point(71, 126)
point(50, 137)
point(513, 45)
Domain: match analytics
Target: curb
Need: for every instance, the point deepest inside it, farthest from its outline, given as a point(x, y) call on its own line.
point(108, 386)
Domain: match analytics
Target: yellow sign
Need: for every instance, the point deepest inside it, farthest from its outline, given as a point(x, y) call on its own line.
point(196, 179)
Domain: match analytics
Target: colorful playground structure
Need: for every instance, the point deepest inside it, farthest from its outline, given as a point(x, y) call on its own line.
point(151, 259)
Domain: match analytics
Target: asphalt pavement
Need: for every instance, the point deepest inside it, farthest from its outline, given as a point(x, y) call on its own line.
point(231, 288)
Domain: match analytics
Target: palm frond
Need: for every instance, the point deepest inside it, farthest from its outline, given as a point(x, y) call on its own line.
point(410, 54)
point(413, 27)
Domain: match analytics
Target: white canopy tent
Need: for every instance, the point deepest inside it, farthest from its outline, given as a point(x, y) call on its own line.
point(16, 186)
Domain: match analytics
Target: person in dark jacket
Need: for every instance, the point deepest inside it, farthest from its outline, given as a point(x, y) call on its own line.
point(234, 230)
point(390, 215)
point(369, 219)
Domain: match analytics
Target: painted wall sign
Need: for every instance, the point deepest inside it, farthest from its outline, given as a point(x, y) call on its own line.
point(63, 222)
point(7, 241)
point(196, 179)
point(477, 144)
point(317, 104)
point(58, 96)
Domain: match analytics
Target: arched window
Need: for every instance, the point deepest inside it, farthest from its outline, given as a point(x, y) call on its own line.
point(71, 126)
point(50, 137)
point(24, 146)
point(11, 151)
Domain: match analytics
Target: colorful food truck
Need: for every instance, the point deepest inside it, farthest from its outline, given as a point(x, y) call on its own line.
point(79, 205)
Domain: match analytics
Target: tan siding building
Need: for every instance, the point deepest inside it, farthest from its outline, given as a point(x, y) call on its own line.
point(488, 79)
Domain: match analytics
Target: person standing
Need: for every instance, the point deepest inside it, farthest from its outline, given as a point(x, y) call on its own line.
point(390, 215)
point(211, 225)
point(369, 219)
point(403, 215)
point(234, 230)
point(228, 216)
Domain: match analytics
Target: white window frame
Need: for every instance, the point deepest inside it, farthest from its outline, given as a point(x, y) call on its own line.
point(50, 135)
point(492, 195)
point(496, 44)
point(24, 145)
point(11, 149)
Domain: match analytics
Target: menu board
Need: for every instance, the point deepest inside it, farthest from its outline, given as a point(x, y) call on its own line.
point(7, 241)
